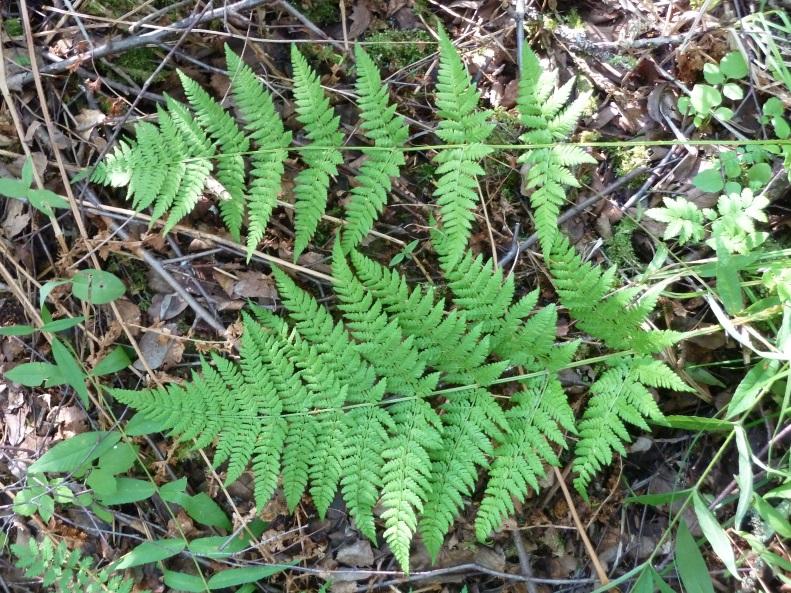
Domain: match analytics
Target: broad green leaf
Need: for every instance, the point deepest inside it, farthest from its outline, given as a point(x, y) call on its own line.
point(46, 507)
point(773, 107)
point(759, 175)
point(69, 455)
point(103, 513)
point(23, 505)
point(723, 113)
point(733, 91)
point(13, 188)
point(17, 330)
point(733, 65)
point(102, 482)
point(47, 288)
point(239, 576)
point(716, 535)
point(217, 546)
point(704, 98)
point(119, 459)
point(181, 581)
point(115, 361)
point(175, 492)
point(27, 171)
point(70, 370)
point(752, 386)
point(774, 518)
point(709, 180)
point(207, 512)
point(148, 552)
point(33, 374)
point(690, 565)
point(698, 423)
point(61, 324)
point(97, 286)
point(712, 74)
point(44, 200)
point(729, 287)
point(782, 491)
point(659, 499)
point(644, 583)
point(744, 478)
point(129, 490)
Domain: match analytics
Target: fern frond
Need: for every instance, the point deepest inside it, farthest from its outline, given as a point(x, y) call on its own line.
point(539, 413)
point(233, 145)
point(466, 129)
point(618, 398)
point(544, 112)
point(611, 316)
point(471, 420)
point(406, 473)
point(388, 131)
point(266, 132)
point(322, 156)
point(67, 570)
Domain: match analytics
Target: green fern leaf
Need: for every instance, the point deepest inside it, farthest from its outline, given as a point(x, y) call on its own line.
point(389, 133)
point(618, 398)
point(535, 420)
point(322, 156)
point(233, 145)
point(271, 141)
point(467, 129)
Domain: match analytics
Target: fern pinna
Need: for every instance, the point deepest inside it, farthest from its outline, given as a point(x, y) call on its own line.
point(68, 570)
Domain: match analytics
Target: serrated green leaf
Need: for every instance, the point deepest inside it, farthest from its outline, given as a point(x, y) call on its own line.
point(102, 482)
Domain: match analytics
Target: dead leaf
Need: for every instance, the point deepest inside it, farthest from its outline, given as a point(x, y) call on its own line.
point(87, 120)
point(360, 18)
point(159, 348)
point(254, 285)
point(16, 219)
point(166, 306)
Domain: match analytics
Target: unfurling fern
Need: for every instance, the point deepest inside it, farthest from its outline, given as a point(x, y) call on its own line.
point(67, 570)
point(466, 129)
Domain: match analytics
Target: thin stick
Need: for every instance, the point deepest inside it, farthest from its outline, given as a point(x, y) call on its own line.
point(600, 572)
point(17, 81)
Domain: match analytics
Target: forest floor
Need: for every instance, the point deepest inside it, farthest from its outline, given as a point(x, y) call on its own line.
point(76, 76)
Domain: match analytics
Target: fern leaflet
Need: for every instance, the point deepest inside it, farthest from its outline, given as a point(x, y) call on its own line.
point(388, 131)
point(466, 129)
point(322, 157)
